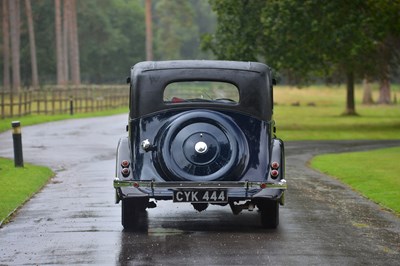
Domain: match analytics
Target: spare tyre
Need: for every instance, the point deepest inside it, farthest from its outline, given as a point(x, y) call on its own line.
point(201, 145)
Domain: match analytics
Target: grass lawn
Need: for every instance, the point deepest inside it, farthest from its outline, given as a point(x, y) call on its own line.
point(19, 184)
point(317, 115)
point(375, 174)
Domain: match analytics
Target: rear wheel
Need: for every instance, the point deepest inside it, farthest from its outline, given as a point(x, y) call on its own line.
point(134, 215)
point(269, 210)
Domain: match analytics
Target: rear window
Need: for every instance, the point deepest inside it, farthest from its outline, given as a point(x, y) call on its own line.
point(201, 91)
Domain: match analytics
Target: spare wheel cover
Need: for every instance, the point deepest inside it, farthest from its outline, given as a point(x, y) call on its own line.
point(202, 146)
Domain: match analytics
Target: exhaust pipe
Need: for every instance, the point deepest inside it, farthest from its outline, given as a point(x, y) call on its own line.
point(238, 208)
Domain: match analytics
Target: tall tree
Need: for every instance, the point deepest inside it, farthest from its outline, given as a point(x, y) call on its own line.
point(74, 44)
point(384, 88)
point(65, 46)
point(319, 39)
point(305, 38)
point(59, 44)
point(68, 52)
point(13, 6)
point(6, 47)
point(386, 34)
point(149, 32)
point(32, 44)
point(367, 91)
point(383, 28)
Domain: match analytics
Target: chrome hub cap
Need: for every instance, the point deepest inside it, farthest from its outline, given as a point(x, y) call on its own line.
point(200, 147)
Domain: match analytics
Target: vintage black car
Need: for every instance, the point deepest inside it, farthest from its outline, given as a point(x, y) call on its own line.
point(201, 132)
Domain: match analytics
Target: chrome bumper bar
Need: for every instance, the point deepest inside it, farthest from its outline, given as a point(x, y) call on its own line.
point(193, 185)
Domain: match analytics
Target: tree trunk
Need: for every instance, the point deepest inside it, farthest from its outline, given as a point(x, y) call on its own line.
point(384, 89)
point(384, 92)
point(367, 96)
point(74, 46)
point(149, 32)
point(14, 33)
point(350, 103)
point(65, 40)
point(59, 44)
point(6, 47)
point(32, 45)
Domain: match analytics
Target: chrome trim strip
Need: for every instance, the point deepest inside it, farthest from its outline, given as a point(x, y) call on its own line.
point(208, 184)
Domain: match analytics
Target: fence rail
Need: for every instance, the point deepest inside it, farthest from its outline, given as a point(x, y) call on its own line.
point(70, 100)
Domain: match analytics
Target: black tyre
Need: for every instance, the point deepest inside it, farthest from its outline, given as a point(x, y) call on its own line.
point(269, 210)
point(134, 215)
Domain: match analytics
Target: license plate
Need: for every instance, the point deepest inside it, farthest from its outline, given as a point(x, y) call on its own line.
point(200, 196)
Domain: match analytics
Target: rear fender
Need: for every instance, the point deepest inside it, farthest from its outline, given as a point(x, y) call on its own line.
point(277, 155)
point(123, 153)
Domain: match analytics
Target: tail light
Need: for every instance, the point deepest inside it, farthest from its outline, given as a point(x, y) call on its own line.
point(274, 173)
point(125, 163)
point(125, 172)
point(275, 165)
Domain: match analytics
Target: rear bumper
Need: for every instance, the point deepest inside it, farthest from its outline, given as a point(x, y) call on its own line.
point(195, 185)
point(237, 190)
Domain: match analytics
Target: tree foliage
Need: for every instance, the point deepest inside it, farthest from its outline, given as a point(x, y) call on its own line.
point(112, 38)
point(178, 27)
point(238, 31)
point(309, 38)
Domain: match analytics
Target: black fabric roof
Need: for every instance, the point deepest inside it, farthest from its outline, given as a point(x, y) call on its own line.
point(149, 79)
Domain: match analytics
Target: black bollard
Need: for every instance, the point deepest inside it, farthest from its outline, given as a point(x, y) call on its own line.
point(71, 106)
point(17, 139)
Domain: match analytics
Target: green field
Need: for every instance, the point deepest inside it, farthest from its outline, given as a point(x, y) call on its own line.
point(315, 113)
point(374, 174)
point(19, 184)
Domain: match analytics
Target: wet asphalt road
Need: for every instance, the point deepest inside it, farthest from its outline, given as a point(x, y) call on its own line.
point(74, 220)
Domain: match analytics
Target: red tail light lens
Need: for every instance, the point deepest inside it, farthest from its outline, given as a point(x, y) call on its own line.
point(125, 163)
point(274, 173)
point(125, 172)
point(263, 185)
point(274, 165)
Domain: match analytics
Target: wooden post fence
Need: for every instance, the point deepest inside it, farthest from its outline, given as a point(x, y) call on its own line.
point(50, 101)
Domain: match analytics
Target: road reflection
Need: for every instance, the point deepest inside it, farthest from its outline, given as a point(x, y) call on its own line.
point(185, 236)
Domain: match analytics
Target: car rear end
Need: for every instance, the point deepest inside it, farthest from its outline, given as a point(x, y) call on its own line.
point(201, 133)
